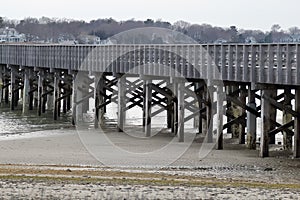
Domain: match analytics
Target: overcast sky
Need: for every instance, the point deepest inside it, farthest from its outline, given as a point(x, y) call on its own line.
point(254, 14)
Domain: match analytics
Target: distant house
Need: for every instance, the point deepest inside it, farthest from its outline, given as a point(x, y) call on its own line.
point(291, 39)
point(221, 41)
point(89, 39)
point(67, 39)
point(250, 39)
point(11, 35)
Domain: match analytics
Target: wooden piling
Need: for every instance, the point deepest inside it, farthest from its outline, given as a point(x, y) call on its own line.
point(204, 105)
point(97, 99)
point(58, 99)
point(55, 95)
point(175, 108)
point(180, 112)
point(242, 126)
point(74, 98)
point(44, 97)
point(26, 89)
point(144, 103)
point(297, 125)
point(40, 91)
point(121, 102)
point(228, 89)
point(273, 114)
point(6, 92)
point(170, 112)
point(236, 112)
point(12, 87)
point(147, 107)
point(251, 120)
point(170, 108)
point(220, 99)
point(286, 118)
point(209, 113)
point(265, 123)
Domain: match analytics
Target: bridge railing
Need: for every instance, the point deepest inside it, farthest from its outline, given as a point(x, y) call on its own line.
point(257, 63)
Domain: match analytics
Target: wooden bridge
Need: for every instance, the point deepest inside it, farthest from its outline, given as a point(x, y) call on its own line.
point(203, 81)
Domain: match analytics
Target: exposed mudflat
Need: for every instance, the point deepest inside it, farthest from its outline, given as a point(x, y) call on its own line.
point(57, 164)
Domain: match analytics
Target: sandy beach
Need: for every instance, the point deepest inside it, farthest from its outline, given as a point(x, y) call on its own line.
point(56, 164)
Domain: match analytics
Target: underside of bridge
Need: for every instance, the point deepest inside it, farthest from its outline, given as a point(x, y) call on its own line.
point(214, 109)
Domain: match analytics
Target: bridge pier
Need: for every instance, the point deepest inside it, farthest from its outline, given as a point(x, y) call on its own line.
point(12, 87)
point(235, 111)
point(273, 114)
point(251, 120)
point(55, 95)
point(242, 124)
point(147, 107)
point(297, 125)
point(180, 110)
point(74, 98)
point(33, 89)
point(26, 90)
point(49, 94)
point(40, 92)
point(220, 112)
point(266, 117)
point(174, 127)
point(98, 98)
point(205, 110)
point(121, 102)
point(209, 113)
point(287, 118)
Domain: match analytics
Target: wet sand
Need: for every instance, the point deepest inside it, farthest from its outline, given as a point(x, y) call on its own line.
point(235, 172)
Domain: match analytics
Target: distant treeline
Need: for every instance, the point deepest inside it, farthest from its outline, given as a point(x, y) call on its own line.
point(51, 29)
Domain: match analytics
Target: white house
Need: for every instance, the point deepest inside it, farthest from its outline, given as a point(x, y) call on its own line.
point(11, 35)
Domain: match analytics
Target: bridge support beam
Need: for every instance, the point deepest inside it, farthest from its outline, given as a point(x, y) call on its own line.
point(181, 107)
point(242, 126)
point(49, 97)
point(198, 89)
point(99, 100)
point(26, 90)
point(13, 88)
point(40, 91)
point(147, 107)
point(266, 116)
point(251, 121)
point(287, 117)
point(33, 89)
point(174, 128)
point(210, 113)
point(56, 107)
point(169, 108)
point(121, 102)
point(235, 111)
point(220, 111)
point(273, 114)
point(297, 125)
point(204, 114)
point(74, 98)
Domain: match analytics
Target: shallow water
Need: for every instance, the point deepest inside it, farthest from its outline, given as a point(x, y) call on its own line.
point(16, 123)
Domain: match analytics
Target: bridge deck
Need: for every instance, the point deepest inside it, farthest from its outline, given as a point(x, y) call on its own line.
point(255, 63)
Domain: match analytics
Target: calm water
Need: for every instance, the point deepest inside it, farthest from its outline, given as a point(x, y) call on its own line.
point(15, 122)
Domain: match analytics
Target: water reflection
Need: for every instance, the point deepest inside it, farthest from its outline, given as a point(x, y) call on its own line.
point(15, 122)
